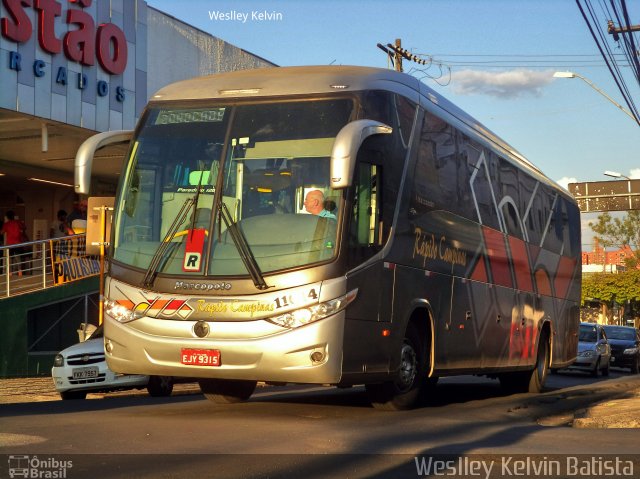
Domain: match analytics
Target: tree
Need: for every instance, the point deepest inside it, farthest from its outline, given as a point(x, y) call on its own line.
point(622, 288)
point(620, 232)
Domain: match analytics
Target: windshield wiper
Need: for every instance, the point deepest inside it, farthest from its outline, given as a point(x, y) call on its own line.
point(157, 262)
point(246, 255)
point(160, 257)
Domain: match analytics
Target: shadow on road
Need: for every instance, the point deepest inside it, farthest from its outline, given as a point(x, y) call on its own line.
point(87, 405)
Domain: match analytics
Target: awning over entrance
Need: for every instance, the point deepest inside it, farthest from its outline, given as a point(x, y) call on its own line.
point(33, 151)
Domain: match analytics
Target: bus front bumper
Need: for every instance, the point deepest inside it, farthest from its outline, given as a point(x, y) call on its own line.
point(308, 354)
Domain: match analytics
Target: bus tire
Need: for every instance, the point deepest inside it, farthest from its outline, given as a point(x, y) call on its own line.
point(227, 391)
point(530, 381)
point(404, 391)
point(160, 386)
point(543, 361)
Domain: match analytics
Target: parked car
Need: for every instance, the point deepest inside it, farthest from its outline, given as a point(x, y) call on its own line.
point(594, 351)
point(81, 369)
point(625, 347)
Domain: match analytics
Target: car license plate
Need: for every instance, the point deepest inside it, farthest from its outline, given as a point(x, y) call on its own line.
point(200, 357)
point(84, 373)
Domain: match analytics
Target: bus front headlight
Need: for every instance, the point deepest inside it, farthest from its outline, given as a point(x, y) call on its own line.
point(316, 312)
point(119, 312)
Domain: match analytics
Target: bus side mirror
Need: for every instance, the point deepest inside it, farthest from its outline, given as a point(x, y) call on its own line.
point(345, 149)
point(84, 156)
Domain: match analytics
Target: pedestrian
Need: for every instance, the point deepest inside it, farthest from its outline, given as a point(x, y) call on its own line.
point(79, 213)
point(14, 232)
point(60, 227)
point(1, 244)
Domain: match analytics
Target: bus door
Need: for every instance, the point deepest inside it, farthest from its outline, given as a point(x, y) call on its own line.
point(375, 280)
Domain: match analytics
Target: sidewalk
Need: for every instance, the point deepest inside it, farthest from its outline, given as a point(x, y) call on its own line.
point(21, 390)
point(610, 404)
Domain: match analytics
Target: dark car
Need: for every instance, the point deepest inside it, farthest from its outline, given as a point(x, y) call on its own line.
point(625, 347)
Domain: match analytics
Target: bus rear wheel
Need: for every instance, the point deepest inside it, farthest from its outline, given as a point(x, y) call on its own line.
point(404, 391)
point(227, 391)
point(531, 381)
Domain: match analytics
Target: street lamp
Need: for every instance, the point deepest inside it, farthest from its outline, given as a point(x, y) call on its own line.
point(590, 83)
point(615, 174)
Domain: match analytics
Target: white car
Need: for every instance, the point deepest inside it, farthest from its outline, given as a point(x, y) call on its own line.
point(81, 369)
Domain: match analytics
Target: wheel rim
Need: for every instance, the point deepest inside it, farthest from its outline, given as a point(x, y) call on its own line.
point(408, 367)
point(541, 367)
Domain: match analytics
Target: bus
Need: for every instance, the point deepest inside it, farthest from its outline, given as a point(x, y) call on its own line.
point(332, 225)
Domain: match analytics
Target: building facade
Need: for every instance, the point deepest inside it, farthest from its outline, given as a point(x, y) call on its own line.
point(71, 68)
point(601, 260)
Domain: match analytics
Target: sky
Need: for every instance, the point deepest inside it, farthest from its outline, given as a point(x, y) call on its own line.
point(493, 58)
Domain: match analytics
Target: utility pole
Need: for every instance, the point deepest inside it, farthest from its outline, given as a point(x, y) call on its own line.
point(611, 29)
point(398, 55)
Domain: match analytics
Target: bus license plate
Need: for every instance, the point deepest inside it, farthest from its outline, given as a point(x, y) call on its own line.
point(200, 357)
point(84, 373)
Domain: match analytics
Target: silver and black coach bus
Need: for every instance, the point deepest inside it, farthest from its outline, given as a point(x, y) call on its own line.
point(333, 225)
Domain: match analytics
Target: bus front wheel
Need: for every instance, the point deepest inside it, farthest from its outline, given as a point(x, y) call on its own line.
point(160, 386)
point(227, 391)
point(404, 391)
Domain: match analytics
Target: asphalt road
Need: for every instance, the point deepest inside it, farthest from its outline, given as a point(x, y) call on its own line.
point(308, 431)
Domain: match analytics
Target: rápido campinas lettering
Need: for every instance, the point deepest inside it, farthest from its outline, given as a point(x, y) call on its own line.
point(236, 306)
point(252, 307)
point(428, 247)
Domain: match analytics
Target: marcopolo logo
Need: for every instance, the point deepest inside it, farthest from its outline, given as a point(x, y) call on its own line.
point(35, 467)
point(203, 286)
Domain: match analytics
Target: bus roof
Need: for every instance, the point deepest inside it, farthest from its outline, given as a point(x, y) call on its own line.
point(304, 80)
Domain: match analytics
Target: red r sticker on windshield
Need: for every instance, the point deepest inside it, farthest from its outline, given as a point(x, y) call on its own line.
point(193, 250)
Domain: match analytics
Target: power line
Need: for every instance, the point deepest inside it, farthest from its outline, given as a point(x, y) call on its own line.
point(396, 53)
point(596, 25)
point(520, 55)
point(556, 66)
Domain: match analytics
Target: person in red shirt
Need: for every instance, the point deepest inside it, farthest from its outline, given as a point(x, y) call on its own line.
point(13, 231)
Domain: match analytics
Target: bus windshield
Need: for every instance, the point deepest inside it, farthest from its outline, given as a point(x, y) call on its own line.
point(199, 177)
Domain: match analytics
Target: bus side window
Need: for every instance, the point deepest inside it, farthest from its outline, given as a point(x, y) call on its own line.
point(365, 234)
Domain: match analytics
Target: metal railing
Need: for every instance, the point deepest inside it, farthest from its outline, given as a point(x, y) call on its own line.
point(42, 264)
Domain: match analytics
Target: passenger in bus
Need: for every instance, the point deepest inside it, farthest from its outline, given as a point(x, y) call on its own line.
point(314, 203)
